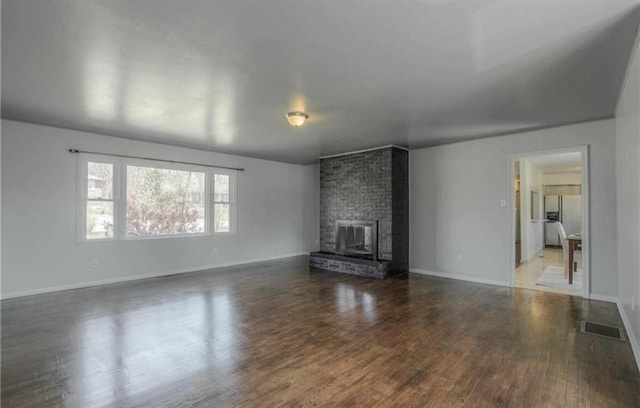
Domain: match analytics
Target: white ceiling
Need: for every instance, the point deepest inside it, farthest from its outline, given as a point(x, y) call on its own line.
point(558, 163)
point(220, 75)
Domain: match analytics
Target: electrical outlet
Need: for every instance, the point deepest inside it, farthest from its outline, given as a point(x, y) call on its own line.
point(460, 259)
point(94, 263)
point(317, 242)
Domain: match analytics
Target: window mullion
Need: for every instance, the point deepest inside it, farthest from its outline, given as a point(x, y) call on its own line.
point(98, 200)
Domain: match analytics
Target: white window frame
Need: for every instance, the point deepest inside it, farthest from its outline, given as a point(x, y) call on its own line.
point(232, 201)
point(120, 195)
point(162, 166)
point(83, 172)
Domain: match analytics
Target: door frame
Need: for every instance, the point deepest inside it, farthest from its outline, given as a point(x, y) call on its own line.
point(586, 232)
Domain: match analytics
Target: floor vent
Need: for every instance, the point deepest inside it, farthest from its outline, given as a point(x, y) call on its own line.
point(609, 332)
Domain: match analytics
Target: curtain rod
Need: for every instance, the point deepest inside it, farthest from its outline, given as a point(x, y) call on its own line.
point(77, 151)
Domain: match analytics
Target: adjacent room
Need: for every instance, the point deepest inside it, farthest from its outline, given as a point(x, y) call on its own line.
point(550, 212)
point(417, 203)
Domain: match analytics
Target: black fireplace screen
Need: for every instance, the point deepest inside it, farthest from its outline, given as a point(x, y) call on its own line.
point(357, 238)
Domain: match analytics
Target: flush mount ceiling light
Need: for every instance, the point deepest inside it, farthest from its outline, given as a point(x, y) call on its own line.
point(296, 119)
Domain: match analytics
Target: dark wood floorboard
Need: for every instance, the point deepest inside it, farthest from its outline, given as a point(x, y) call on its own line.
point(275, 334)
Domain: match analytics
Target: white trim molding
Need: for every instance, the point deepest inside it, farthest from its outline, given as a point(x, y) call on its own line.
point(144, 276)
point(635, 347)
point(586, 232)
point(459, 277)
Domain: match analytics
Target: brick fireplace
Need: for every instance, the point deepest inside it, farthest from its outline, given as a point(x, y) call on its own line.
point(364, 213)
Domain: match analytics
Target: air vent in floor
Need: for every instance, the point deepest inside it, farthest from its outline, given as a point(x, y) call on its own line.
point(610, 332)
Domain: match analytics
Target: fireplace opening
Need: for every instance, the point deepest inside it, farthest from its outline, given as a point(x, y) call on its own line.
point(357, 238)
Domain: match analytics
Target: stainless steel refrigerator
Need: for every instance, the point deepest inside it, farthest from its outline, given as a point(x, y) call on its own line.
point(564, 208)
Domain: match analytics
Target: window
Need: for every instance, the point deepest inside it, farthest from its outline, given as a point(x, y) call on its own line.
point(98, 203)
point(160, 202)
point(157, 201)
point(221, 204)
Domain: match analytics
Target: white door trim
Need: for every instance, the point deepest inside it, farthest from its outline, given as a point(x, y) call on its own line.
point(586, 232)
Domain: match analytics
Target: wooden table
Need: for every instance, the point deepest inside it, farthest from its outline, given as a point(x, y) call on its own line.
point(573, 241)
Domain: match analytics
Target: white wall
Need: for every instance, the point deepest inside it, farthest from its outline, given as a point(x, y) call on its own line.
point(628, 178)
point(531, 239)
point(455, 193)
point(39, 213)
point(562, 179)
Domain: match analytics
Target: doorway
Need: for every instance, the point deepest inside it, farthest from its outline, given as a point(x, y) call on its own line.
point(549, 221)
point(516, 199)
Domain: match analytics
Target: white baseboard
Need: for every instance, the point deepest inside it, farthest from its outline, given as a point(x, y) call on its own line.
point(12, 295)
point(603, 298)
point(630, 334)
point(458, 277)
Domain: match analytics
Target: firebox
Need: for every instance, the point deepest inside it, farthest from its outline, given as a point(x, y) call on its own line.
point(357, 238)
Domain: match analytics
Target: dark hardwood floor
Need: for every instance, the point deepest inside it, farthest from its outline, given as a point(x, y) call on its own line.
point(275, 334)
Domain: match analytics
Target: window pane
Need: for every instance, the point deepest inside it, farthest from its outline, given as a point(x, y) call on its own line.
point(100, 180)
point(221, 218)
point(221, 187)
point(99, 219)
point(164, 202)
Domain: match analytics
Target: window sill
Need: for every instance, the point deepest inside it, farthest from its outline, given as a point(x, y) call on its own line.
point(154, 238)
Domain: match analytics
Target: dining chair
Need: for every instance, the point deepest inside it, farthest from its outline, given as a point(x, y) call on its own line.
point(565, 245)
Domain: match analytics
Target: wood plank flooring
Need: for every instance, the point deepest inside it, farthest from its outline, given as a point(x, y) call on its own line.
point(275, 334)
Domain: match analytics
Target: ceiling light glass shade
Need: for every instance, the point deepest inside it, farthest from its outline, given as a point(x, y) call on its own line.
point(296, 119)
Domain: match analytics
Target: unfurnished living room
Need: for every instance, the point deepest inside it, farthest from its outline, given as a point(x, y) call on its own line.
point(409, 203)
